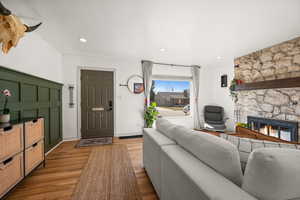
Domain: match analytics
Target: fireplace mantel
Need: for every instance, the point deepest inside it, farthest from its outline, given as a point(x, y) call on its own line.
point(271, 84)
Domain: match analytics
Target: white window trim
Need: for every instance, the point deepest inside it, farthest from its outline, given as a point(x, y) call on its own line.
point(172, 78)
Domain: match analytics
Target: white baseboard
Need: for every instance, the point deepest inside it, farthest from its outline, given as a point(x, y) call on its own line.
point(71, 139)
point(54, 147)
point(64, 140)
point(75, 138)
point(116, 135)
point(128, 134)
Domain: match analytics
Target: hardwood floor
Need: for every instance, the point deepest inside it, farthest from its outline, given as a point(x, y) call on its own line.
point(63, 168)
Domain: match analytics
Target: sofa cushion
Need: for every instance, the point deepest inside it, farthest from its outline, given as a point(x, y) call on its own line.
point(186, 177)
point(179, 132)
point(217, 153)
point(246, 146)
point(165, 127)
point(273, 174)
point(157, 137)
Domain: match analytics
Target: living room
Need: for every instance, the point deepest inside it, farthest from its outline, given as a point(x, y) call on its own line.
point(134, 89)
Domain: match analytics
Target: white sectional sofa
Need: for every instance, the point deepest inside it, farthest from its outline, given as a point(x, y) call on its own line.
point(187, 165)
point(152, 155)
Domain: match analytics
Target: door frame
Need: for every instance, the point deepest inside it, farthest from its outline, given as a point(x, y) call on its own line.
point(113, 70)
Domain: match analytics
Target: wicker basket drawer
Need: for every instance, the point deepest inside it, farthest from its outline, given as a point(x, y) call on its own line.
point(34, 155)
point(11, 172)
point(34, 131)
point(11, 141)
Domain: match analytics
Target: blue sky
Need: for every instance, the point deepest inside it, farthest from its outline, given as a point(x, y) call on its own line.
point(171, 86)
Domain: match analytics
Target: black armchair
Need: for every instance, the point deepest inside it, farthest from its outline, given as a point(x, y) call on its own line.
point(214, 118)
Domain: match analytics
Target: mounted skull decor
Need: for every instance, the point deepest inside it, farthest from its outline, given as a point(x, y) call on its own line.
point(11, 29)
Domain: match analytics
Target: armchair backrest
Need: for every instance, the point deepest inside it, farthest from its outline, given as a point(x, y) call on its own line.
point(214, 114)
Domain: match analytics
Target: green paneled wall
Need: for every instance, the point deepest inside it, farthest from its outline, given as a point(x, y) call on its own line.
point(34, 97)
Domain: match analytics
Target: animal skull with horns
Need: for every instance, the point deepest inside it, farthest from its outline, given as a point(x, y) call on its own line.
point(11, 29)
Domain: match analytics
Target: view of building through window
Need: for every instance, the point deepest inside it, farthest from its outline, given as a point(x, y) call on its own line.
point(172, 97)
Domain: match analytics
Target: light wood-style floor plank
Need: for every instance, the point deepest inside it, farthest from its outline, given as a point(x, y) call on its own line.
point(64, 165)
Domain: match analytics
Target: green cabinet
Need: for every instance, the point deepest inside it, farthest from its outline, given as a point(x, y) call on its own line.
point(34, 97)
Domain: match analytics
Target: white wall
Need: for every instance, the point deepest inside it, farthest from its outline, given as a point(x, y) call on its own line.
point(35, 56)
point(211, 91)
point(129, 107)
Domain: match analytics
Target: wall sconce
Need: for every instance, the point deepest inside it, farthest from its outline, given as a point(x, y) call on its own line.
point(71, 96)
point(224, 80)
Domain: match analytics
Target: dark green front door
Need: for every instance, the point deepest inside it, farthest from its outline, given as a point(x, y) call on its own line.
point(97, 94)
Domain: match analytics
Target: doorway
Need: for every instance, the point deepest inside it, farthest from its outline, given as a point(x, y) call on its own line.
point(97, 96)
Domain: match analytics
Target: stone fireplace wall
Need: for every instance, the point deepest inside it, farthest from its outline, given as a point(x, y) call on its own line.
point(276, 62)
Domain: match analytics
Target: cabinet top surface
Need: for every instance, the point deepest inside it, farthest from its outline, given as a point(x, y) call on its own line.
point(15, 122)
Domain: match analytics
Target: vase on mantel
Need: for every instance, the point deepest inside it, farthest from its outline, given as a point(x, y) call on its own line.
point(4, 118)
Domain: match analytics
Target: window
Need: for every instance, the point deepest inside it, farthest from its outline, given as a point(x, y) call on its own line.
point(172, 97)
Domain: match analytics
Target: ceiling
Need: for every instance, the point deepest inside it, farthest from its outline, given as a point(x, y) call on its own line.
point(190, 31)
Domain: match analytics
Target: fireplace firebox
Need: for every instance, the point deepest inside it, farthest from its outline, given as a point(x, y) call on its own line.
point(285, 130)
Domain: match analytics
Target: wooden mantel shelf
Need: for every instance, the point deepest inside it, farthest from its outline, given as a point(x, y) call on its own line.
point(272, 84)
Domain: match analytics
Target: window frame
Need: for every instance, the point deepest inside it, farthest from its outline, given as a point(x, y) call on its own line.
point(178, 78)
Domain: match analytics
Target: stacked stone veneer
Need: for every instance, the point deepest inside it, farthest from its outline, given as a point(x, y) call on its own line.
point(276, 62)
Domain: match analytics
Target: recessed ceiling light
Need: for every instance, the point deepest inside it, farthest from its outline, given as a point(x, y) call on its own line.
point(219, 57)
point(162, 49)
point(83, 40)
